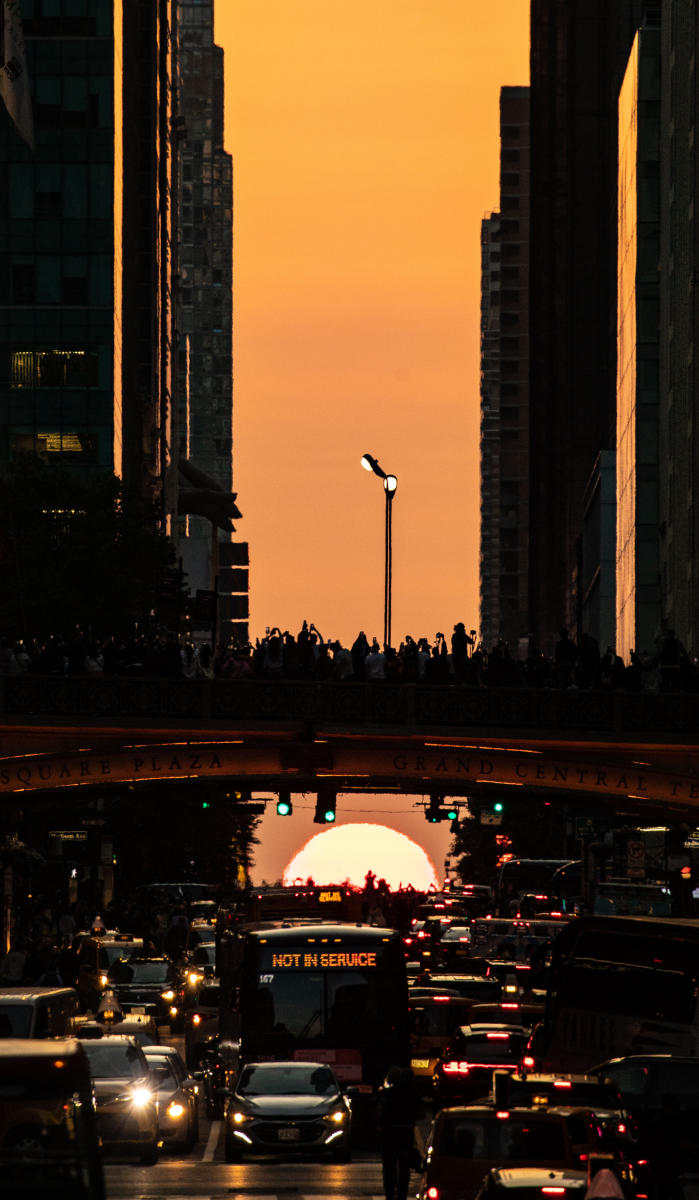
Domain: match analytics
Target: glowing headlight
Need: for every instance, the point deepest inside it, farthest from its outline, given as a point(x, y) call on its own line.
point(168, 995)
point(103, 981)
point(337, 1117)
point(173, 1010)
point(239, 1118)
point(175, 1109)
point(194, 977)
point(196, 1019)
point(140, 1096)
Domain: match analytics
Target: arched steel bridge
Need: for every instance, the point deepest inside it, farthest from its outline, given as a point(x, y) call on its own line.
point(635, 751)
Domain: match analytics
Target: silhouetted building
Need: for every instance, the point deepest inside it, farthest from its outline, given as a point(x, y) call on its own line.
point(637, 540)
point(85, 243)
point(205, 317)
point(579, 52)
point(505, 387)
point(679, 323)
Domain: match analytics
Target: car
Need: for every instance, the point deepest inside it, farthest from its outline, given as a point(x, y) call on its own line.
point(454, 946)
point(288, 1107)
point(201, 1020)
point(481, 989)
point(49, 1144)
point(136, 1025)
point(540, 1090)
point(201, 963)
point(508, 1011)
point(125, 1096)
point(178, 1098)
point(464, 1143)
point(465, 1068)
point(532, 1183)
point(433, 1020)
point(100, 953)
point(644, 1079)
point(152, 986)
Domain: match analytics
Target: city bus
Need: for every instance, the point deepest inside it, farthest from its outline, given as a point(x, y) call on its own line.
point(329, 993)
point(619, 986)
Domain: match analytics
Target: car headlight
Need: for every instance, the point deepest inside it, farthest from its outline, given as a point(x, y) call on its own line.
point(175, 1109)
point(141, 1096)
point(168, 995)
point(104, 980)
point(194, 977)
point(239, 1118)
point(337, 1116)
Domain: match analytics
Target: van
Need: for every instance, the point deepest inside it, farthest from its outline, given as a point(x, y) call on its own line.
point(37, 1012)
point(49, 1144)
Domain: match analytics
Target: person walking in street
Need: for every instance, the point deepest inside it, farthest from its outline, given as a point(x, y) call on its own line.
point(398, 1110)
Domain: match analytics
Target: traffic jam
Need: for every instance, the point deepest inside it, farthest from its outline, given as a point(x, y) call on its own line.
point(471, 1052)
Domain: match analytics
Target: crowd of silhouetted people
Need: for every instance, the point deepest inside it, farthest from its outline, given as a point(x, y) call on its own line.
point(458, 660)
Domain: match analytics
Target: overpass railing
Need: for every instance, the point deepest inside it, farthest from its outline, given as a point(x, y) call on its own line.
point(266, 703)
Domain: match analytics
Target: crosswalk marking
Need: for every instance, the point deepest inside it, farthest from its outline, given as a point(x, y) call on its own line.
point(208, 1155)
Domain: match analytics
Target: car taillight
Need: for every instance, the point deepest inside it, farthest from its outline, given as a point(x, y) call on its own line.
point(433, 1193)
point(562, 1083)
point(456, 1068)
point(497, 1037)
point(527, 1061)
point(196, 1019)
point(553, 1191)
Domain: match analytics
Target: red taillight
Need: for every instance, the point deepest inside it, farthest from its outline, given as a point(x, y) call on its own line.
point(196, 1019)
point(497, 1037)
point(433, 1193)
point(562, 1083)
point(527, 1061)
point(509, 1004)
point(456, 1068)
point(441, 999)
point(553, 1191)
point(502, 1116)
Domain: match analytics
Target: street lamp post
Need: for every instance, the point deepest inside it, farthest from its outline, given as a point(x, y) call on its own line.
point(390, 483)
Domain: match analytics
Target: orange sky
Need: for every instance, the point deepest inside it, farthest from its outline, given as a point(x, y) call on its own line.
point(364, 135)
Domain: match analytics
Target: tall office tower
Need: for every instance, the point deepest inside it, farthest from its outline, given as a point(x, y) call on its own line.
point(679, 322)
point(85, 315)
point(489, 619)
point(205, 314)
point(146, 312)
point(505, 388)
point(637, 542)
point(579, 52)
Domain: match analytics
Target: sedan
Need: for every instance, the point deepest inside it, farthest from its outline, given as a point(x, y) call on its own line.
point(178, 1098)
point(125, 1097)
point(278, 1107)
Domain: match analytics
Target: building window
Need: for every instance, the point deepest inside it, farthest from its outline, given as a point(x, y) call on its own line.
point(52, 368)
point(56, 446)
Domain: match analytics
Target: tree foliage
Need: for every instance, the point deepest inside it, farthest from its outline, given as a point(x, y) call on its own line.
point(75, 551)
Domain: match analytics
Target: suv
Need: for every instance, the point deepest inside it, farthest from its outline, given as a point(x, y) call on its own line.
point(125, 1096)
point(643, 1079)
point(152, 986)
point(464, 1072)
point(465, 1143)
point(433, 1020)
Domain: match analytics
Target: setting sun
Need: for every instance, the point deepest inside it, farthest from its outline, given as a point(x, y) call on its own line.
point(348, 852)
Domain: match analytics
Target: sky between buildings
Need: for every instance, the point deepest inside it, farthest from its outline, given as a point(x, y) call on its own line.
point(365, 141)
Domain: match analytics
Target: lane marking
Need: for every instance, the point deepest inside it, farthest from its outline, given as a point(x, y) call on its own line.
point(214, 1132)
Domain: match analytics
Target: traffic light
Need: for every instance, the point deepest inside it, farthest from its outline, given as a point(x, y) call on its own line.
point(325, 807)
point(452, 811)
point(284, 805)
point(434, 811)
point(206, 804)
point(498, 806)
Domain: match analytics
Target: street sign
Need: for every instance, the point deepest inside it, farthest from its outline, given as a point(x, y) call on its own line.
point(585, 827)
point(491, 818)
point(635, 860)
point(69, 835)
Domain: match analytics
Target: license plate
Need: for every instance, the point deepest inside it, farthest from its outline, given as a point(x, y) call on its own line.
point(288, 1135)
point(135, 1009)
point(419, 1064)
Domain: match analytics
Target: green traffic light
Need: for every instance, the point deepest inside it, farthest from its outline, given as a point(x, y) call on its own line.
point(329, 815)
point(284, 808)
point(452, 814)
point(498, 807)
point(205, 804)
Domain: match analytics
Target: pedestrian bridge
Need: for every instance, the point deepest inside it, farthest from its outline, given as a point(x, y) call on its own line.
point(636, 750)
